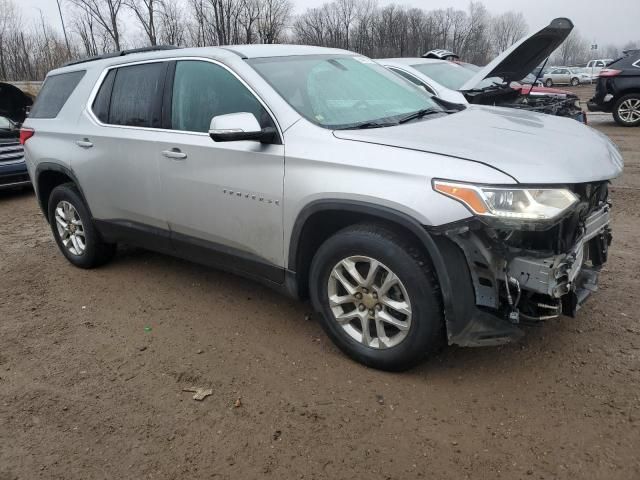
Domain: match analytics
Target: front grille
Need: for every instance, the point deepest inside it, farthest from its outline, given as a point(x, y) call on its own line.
point(11, 151)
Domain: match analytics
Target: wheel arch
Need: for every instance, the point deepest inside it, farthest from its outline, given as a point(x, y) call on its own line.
point(322, 218)
point(49, 175)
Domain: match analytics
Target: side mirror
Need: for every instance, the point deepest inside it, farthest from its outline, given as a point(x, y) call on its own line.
point(235, 127)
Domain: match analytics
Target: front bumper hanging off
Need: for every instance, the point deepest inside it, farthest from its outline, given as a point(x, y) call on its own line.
point(500, 286)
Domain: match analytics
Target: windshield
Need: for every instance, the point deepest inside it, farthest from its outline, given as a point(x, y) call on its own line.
point(340, 91)
point(452, 75)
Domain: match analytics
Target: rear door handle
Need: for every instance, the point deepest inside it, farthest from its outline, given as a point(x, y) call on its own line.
point(174, 154)
point(84, 143)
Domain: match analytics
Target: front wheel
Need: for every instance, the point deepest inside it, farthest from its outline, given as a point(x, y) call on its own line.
point(74, 231)
point(378, 297)
point(626, 111)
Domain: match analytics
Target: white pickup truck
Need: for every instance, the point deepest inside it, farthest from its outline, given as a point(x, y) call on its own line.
point(594, 66)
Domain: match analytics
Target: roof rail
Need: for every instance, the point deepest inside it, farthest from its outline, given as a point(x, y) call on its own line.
point(121, 53)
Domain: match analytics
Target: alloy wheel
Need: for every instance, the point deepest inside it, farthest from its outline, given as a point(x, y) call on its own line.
point(369, 302)
point(70, 228)
point(629, 110)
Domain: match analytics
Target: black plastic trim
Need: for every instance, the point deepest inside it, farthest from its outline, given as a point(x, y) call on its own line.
point(55, 167)
point(122, 53)
point(191, 248)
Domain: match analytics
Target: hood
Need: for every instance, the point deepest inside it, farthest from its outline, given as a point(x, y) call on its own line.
point(525, 55)
point(13, 103)
point(532, 148)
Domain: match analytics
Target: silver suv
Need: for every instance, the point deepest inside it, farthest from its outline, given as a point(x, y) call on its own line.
point(409, 221)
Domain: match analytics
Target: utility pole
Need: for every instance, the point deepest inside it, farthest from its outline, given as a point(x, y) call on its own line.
point(64, 30)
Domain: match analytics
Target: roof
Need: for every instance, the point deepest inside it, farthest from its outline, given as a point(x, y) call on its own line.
point(227, 52)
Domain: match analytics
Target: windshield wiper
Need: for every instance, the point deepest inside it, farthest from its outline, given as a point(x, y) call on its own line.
point(419, 114)
point(363, 125)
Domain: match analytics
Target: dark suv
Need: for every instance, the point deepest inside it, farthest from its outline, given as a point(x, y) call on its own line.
point(13, 109)
point(13, 170)
point(618, 90)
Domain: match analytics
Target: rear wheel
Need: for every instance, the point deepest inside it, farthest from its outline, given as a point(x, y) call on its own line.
point(548, 82)
point(626, 111)
point(74, 231)
point(378, 297)
point(575, 82)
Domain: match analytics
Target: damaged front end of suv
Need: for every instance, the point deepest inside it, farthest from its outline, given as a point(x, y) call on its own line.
point(526, 256)
point(498, 83)
point(533, 99)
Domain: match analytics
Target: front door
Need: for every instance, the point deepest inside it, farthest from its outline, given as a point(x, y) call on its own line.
point(223, 200)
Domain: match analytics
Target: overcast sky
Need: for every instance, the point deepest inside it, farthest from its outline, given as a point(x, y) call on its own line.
point(603, 22)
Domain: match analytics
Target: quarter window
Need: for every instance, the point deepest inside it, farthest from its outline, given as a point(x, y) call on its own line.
point(136, 99)
point(54, 94)
point(203, 90)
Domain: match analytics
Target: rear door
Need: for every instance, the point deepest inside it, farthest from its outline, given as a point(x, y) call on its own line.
point(118, 160)
point(223, 199)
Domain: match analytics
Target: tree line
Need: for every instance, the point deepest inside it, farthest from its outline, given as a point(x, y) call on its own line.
point(29, 49)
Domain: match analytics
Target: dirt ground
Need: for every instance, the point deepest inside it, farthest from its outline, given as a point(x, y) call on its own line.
point(93, 364)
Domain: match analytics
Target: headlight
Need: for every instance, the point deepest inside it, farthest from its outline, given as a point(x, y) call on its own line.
point(509, 203)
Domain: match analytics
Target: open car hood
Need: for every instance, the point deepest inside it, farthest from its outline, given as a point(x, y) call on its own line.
point(523, 56)
point(13, 103)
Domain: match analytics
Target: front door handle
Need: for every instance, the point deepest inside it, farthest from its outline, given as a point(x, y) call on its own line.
point(174, 154)
point(84, 143)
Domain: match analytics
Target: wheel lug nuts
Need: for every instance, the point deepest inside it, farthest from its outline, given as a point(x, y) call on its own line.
point(378, 307)
point(361, 307)
point(375, 295)
point(359, 296)
point(365, 291)
point(371, 312)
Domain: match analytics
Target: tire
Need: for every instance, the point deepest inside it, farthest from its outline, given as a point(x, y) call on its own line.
point(575, 82)
point(423, 329)
point(63, 201)
point(626, 110)
point(548, 83)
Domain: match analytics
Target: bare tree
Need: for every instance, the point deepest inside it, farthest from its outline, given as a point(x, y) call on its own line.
point(106, 14)
point(146, 12)
point(573, 51)
point(274, 16)
point(506, 29)
point(85, 27)
point(172, 24)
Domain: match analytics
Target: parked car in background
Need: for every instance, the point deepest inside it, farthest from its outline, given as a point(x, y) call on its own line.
point(565, 76)
point(13, 170)
point(618, 90)
point(497, 83)
point(319, 172)
point(412, 69)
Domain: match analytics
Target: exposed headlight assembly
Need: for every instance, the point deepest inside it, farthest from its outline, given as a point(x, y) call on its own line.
point(526, 204)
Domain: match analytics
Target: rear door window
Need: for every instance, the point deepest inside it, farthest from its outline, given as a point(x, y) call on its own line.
point(55, 92)
point(136, 97)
